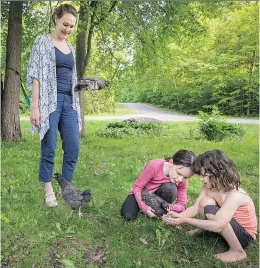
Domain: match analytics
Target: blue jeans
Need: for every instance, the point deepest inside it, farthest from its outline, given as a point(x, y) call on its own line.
point(64, 119)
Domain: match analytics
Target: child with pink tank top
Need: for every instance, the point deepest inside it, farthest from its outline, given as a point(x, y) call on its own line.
point(223, 206)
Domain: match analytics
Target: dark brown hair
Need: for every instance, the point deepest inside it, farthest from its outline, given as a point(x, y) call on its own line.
point(182, 157)
point(63, 9)
point(222, 171)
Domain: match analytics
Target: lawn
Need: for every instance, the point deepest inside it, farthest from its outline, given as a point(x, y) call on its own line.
point(34, 235)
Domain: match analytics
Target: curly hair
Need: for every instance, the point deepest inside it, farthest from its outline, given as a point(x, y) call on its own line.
point(182, 157)
point(62, 10)
point(222, 172)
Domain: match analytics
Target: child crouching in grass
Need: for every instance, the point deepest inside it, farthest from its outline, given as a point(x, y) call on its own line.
point(223, 206)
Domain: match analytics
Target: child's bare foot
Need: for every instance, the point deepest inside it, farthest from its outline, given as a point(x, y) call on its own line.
point(231, 256)
point(194, 232)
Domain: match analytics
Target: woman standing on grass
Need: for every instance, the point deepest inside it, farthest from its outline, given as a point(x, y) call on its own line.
point(165, 178)
point(54, 105)
point(223, 206)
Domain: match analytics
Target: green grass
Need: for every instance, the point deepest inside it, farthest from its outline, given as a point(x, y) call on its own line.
point(120, 110)
point(117, 112)
point(33, 234)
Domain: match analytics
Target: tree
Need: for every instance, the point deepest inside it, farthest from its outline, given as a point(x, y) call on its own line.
point(10, 121)
point(87, 24)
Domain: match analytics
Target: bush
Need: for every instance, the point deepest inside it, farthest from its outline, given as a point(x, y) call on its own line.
point(99, 102)
point(132, 129)
point(23, 107)
point(214, 126)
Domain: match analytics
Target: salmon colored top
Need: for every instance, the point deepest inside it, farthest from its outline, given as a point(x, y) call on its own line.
point(246, 216)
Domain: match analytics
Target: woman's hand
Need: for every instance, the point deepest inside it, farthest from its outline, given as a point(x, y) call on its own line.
point(35, 117)
point(173, 218)
point(150, 212)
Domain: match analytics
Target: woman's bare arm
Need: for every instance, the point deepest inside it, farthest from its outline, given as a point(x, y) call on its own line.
point(35, 112)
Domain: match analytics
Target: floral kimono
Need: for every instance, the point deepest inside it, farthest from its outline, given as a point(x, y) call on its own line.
point(42, 66)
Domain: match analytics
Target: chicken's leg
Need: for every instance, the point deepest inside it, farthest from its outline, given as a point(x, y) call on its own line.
point(80, 213)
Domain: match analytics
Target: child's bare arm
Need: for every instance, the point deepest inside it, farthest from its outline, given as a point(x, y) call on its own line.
point(220, 220)
point(173, 218)
point(229, 207)
point(194, 209)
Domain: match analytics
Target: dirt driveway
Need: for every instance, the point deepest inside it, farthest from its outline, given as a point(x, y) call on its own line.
point(145, 110)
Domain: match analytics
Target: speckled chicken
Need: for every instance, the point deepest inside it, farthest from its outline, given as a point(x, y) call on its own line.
point(91, 84)
point(155, 202)
point(74, 197)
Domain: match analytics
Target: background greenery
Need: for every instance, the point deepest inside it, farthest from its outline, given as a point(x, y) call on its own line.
point(34, 235)
point(183, 56)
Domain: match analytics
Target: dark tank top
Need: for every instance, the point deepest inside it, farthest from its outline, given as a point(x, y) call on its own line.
point(64, 67)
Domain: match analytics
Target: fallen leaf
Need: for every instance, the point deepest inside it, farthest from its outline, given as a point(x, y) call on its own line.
point(143, 241)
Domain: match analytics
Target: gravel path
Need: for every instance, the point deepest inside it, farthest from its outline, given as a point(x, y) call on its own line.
point(145, 110)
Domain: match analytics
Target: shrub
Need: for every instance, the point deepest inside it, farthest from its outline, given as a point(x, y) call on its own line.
point(132, 129)
point(214, 126)
point(23, 108)
point(99, 102)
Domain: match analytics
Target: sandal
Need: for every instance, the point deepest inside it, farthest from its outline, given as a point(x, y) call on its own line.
point(51, 203)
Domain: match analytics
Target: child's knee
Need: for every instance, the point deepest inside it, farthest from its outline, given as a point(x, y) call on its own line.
point(209, 216)
point(205, 201)
point(210, 211)
point(128, 216)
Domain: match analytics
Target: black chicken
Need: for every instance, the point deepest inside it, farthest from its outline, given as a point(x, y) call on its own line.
point(155, 202)
point(74, 197)
point(91, 84)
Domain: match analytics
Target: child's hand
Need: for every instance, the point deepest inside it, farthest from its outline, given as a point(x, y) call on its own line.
point(173, 218)
point(173, 213)
point(150, 212)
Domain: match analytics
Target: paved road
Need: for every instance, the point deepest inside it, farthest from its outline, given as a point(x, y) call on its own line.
point(144, 110)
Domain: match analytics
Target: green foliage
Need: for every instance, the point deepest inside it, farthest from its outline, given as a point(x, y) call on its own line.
point(162, 235)
point(23, 107)
point(130, 129)
point(99, 102)
point(218, 66)
point(214, 126)
point(184, 56)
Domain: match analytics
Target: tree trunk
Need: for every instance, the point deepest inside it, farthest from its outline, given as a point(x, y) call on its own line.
point(251, 70)
point(83, 50)
point(80, 56)
point(10, 121)
point(83, 56)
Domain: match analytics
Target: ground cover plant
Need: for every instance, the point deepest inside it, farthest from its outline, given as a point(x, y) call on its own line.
point(34, 235)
